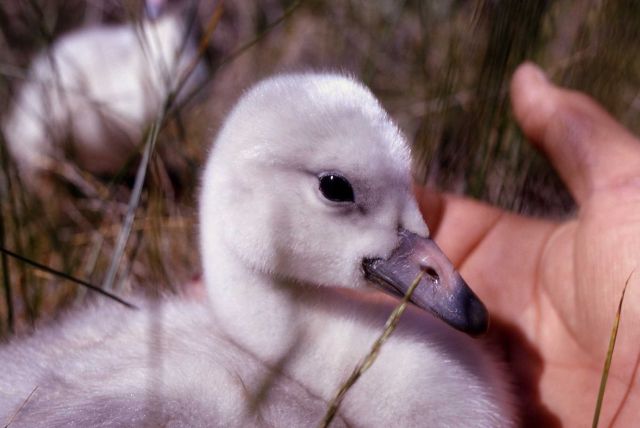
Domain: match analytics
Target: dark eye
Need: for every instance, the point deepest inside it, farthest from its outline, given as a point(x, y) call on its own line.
point(336, 188)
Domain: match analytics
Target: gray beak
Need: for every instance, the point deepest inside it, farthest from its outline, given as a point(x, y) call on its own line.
point(441, 291)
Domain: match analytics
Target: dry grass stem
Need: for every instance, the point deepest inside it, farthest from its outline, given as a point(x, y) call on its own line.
point(607, 362)
point(66, 276)
point(134, 201)
point(24, 403)
point(370, 358)
point(241, 50)
point(203, 44)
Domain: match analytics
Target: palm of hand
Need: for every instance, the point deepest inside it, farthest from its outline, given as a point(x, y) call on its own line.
point(553, 286)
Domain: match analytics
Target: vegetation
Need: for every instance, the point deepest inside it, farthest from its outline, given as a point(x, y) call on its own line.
point(441, 68)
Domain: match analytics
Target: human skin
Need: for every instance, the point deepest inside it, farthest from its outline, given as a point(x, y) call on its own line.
point(553, 287)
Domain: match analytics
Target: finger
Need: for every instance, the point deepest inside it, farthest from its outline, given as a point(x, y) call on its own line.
point(430, 202)
point(456, 223)
point(590, 150)
point(464, 223)
point(496, 252)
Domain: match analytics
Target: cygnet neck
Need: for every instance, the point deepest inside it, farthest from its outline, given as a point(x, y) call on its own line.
point(262, 313)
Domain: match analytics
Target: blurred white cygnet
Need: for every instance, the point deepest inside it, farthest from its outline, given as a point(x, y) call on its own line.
point(95, 91)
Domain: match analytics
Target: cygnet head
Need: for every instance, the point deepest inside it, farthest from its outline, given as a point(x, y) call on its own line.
point(309, 183)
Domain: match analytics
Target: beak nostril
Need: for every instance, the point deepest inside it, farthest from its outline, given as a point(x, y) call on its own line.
point(432, 274)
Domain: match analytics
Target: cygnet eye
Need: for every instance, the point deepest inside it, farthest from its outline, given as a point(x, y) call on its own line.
point(336, 188)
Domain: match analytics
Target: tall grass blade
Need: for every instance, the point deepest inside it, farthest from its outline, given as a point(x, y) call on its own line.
point(134, 201)
point(67, 277)
point(24, 403)
point(6, 282)
point(363, 366)
point(607, 362)
point(242, 49)
point(212, 24)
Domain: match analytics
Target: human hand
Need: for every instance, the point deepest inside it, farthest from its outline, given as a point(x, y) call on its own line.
point(555, 286)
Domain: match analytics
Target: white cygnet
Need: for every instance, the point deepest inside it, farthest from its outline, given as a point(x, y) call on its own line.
point(306, 213)
point(96, 90)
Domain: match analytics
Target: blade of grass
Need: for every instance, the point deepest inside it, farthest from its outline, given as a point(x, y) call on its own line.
point(24, 403)
point(6, 281)
point(607, 362)
point(233, 55)
point(134, 201)
point(169, 106)
point(212, 24)
point(67, 277)
point(141, 173)
point(18, 219)
point(363, 366)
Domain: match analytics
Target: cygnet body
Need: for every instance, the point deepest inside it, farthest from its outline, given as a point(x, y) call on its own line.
point(93, 93)
point(305, 204)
